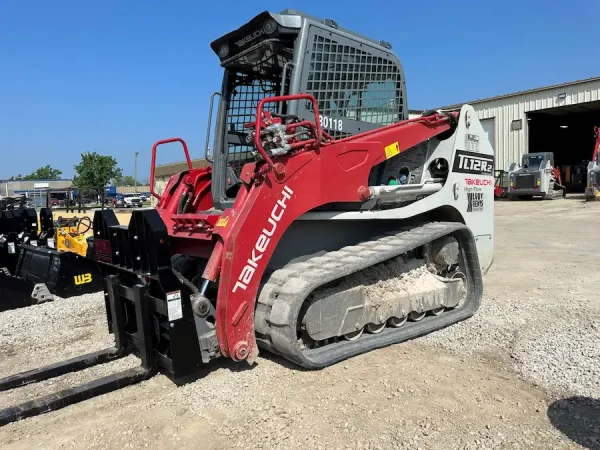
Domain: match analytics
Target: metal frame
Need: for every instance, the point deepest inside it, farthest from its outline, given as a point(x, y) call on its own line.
point(308, 27)
point(93, 388)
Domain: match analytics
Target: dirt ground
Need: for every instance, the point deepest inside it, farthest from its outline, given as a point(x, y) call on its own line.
point(520, 374)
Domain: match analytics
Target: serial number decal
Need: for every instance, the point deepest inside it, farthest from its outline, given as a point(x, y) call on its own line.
point(331, 124)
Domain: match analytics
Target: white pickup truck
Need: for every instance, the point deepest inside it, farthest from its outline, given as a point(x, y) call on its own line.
point(130, 201)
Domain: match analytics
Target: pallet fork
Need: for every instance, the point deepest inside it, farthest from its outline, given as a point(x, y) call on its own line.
point(93, 388)
point(137, 317)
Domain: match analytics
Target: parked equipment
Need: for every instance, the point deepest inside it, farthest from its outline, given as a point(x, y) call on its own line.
point(314, 248)
point(592, 190)
point(71, 234)
point(18, 225)
point(500, 184)
point(33, 271)
point(535, 176)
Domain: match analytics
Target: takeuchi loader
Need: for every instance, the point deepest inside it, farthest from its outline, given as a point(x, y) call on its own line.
point(535, 176)
point(592, 190)
point(328, 225)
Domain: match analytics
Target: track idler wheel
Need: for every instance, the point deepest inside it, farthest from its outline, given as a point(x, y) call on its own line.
point(355, 335)
point(415, 316)
point(374, 328)
point(397, 322)
point(437, 311)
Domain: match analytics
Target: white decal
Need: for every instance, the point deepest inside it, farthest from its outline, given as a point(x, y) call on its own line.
point(174, 309)
point(330, 123)
point(263, 240)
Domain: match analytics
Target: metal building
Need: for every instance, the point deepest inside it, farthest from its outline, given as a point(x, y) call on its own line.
point(35, 190)
point(559, 118)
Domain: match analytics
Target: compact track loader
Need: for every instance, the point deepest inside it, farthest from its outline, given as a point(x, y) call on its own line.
point(535, 176)
point(592, 190)
point(328, 224)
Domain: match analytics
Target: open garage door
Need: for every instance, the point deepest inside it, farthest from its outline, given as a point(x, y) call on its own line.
point(568, 132)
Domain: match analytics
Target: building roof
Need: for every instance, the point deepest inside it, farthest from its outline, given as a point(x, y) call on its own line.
point(166, 170)
point(21, 180)
point(529, 91)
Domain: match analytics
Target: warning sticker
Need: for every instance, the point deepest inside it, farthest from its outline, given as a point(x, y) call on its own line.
point(174, 305)
point(11, 248)
point(223, 221)
point(34, 243)
point(392, 150)
point(51, 242)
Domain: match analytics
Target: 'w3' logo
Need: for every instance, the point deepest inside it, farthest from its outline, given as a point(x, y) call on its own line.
point(83, 278)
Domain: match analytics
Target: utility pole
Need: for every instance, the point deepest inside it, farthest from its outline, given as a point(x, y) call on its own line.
point(135, 172)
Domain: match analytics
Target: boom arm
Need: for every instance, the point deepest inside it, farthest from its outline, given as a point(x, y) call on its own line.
point(332, 172)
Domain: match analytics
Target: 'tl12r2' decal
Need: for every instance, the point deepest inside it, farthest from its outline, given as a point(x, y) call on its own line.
point(473, 163)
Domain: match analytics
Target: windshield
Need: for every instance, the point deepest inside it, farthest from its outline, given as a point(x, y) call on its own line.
point(533, 162)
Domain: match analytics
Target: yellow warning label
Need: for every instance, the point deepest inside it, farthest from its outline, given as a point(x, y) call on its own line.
point(222, 222)
point(392, 150)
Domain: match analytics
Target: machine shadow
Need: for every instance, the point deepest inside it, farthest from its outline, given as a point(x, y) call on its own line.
point(578, 418)
point(236, 367)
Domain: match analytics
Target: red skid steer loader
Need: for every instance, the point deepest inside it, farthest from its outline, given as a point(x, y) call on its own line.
point(328, 225)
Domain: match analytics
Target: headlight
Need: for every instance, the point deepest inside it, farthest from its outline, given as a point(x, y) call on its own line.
point(223, 51)
point(270, 26)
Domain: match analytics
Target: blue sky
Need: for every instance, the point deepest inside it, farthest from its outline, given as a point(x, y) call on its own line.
point(115, 76)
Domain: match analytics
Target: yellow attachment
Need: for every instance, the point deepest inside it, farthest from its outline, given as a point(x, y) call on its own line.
point(70, 234)
point(67, 240)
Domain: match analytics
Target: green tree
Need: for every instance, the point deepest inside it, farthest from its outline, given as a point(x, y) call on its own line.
point(126, 180)
point(44, 173)
point(94, 172)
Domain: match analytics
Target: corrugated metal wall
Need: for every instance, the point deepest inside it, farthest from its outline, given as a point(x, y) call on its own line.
point(509, 144)
point(133, 189)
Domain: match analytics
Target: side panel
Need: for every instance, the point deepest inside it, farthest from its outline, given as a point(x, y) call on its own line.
point(468, 190)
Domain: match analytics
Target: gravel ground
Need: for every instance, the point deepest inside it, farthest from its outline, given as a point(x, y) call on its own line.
point(543, 315)
point(522, 373)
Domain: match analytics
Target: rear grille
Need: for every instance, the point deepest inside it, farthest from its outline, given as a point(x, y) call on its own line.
point(525, 181)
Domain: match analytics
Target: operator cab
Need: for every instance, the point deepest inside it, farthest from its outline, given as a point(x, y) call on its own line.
point(358, 84)
point(537, 161)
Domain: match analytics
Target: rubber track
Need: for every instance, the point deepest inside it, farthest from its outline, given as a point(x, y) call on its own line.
point(285, 291)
